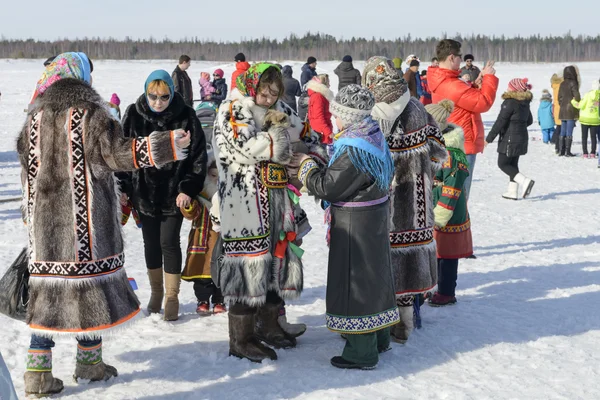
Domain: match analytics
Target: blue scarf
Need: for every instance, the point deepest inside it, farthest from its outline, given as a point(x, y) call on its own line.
point(367, 148)
point(160, 75)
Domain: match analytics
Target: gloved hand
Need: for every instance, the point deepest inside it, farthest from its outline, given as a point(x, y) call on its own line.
point(442, 215)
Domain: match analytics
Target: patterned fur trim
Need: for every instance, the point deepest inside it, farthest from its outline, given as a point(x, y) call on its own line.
point(405, 239)
point(306, 167)
point(363, 324)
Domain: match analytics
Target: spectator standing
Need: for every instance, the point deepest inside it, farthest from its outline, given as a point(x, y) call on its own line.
point(470, 69)
point(346, 73)
point(182, 81)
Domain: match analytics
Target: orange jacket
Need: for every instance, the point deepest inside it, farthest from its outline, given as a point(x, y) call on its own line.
point(555, 81)
point(240, 68)
point(469, 103)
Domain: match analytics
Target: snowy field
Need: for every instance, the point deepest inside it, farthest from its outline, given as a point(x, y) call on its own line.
point(526, 325)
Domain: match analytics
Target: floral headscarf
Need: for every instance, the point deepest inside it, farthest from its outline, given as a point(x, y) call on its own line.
point(247, 83)
point(65, 65)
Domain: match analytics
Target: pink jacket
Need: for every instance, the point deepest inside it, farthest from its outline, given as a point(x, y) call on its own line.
point(206, 87)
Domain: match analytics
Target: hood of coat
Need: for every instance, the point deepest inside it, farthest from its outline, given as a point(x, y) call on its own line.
point(318, 87)
point(454, 136)
point(520, 96)
point(242, 66)
point(345, 66)
point(435, 77)
point(173, 111)
point(556, 79)
point(67, 93)
point(287, 71)
point(572, 73)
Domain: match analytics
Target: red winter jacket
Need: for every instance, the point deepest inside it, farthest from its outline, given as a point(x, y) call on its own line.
point(319, 116)
point(240, 68)
point(469, 103)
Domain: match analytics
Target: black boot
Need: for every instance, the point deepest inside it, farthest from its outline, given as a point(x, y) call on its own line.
point(242, 343)
point(561, 146)
point(268, 330)
point(569, 142)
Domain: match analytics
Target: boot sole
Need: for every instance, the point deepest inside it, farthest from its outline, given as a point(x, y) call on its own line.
point(42, 395)
point(274, 344)
point(353, 366)
point(509, 198)
point(528, 190)
point(241, 357)
point(441, 305)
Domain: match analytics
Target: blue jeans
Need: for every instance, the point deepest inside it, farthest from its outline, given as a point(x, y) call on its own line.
point(467, 187)
point(43, 343)
point(568, 125)
point(547, 134)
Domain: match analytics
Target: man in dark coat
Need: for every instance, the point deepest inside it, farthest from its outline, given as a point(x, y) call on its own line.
point(291, 88)
point(346, 73)
point(309, 70)
point(470, 69)
point(183, 83)
point(412, 77)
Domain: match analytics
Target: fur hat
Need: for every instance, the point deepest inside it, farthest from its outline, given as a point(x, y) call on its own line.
point(347, 58)
point(311, 60)
point(410, 58)
point(383, 80)
point(440, 112)
point(239, 57)
point(546, 95)
point(219, 72)
point(352, 104)
point(469, 57)
point(519, 85)
point(115, 99)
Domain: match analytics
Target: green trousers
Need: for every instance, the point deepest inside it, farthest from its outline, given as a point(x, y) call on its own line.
point(364, 349)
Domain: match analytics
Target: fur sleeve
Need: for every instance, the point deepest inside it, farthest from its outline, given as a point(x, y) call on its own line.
point(239, 140)
point(437, 146)
point(23, 151)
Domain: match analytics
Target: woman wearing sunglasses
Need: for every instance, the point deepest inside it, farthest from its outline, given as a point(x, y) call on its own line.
point(157, 194)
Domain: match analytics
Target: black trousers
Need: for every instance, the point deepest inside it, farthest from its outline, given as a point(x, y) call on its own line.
point(162, 245)
point(204, 288)
point(556, 137)
point(509, 165)
point(584, 137)
point(447, 276)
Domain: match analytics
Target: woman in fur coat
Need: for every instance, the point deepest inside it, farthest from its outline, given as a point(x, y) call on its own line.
point(319, 117)
point(254, 136)
point(418, 152)
point(157, 193)
point(511, 125)
point(360, 280)
point(69, 149)
point(452, 223)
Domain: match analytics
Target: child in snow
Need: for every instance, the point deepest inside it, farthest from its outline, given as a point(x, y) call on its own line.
point(452, 230)
point(546, 116)
point(206, 87)
point(114, 109)
point(201, 242)
point(589, 118)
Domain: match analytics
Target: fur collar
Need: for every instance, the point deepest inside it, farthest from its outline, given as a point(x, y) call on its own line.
point(320, 88)
point(258, 112)
point(454, 136)
point(384, 111)
point(67, 93)
point(556, 79)
point(173, 111)
point(520, 96)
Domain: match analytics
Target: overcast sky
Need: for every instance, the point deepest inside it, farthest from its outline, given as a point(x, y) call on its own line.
point(230, 20)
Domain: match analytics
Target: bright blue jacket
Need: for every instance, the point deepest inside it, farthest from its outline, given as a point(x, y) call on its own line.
point(419, 86)
point(545, 117)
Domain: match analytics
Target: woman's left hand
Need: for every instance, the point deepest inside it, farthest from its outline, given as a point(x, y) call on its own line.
point(183, 200)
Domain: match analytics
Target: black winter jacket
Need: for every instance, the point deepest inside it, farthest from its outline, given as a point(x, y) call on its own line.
point(291, 88)
point(567, 91)
point(513, 120)
point(183, 85)
point(154, 191)
point(347, 74)
point(307, 74)
point(220, 93)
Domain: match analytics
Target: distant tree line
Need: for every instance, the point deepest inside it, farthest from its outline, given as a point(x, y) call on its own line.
point(322, 46)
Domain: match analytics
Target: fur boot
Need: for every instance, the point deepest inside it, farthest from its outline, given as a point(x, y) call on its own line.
point(402, 330)
point(242, 343)
point(156, 290)
point(90, 365)
point(268, 330)
point(526, 184)
point(42, 384)
point(513, 191)
point(172, 282)
point(293, 330)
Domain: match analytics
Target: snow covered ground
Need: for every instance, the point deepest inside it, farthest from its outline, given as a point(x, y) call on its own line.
point(526, 324)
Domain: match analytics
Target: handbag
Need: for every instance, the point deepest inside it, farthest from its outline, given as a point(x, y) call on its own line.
point(14, 288)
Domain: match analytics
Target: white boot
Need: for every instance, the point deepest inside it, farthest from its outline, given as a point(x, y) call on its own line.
point(402, 330)
point(526, 184)
point(512, 192)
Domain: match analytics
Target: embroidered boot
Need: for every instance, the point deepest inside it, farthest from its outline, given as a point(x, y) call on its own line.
point(242, 343)
point(38, 379)
point(402, 330)
point(268, 330)
point(156, 290)
point(90, 365)
point(172, 282)
point(293, 330)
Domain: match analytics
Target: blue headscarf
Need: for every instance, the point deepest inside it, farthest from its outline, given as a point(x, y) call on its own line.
point(160, 75)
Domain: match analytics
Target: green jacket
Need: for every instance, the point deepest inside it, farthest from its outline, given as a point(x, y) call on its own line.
point(588, 106)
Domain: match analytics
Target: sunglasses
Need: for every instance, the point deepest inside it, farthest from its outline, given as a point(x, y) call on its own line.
point(154, 97)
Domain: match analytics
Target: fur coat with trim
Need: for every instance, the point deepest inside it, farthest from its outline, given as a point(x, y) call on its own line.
point(252, 145)
point(418, 152)
point(69, 149)
point(154, 191)
point(512, 122)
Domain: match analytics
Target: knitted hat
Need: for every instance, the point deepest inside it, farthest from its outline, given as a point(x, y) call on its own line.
point(519, 85)
point(382, 79)
point(311, 60)
point(219, 72)
point(397, 62)
point(352, 104)
point(440, 112)
point(115, 99)
point(469, 57)
point(347, 58)
point(239, 57)
point(415, 63)
point(546, 95)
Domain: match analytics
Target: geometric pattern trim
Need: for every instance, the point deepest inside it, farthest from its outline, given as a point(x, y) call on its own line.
point(142, 152)
point(411, 238)
point(33, 166)
point(39, 360)
point(455, 228)
point(273, 176)
point(89, 355)
point(363, 324)
point(305, 168)
point(399, 141)
point(450, 192)
point(77, 269)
